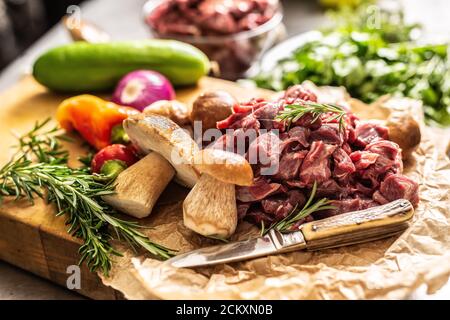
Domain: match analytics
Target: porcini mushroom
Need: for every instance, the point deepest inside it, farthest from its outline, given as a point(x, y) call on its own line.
point(405, 131)
point(169, 150)
point(138, 187)
point(176, 111)
point(161, 135)
point(210, 208)
point(211, 107)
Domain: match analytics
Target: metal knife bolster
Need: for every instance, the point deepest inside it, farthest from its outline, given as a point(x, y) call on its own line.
point(285, 242)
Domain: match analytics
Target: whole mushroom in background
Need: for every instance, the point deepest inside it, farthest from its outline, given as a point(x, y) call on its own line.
point(211, 107)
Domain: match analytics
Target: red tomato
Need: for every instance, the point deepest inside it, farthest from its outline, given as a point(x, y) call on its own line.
point(113, 152)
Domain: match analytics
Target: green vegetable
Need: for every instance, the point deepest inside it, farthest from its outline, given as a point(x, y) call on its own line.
point(40, 164)
point(82, 66)
point(370, 58)
point(111, 169)
point(118, 135)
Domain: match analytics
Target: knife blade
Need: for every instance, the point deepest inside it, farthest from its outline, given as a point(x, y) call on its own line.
point(340, 230)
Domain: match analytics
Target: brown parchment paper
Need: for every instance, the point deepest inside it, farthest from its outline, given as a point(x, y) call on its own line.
point(384, 269)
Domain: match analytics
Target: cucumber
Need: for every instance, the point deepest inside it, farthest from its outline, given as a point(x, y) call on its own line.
point(81, 66)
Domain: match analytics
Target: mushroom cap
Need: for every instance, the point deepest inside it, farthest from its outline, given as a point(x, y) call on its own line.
point(176, 111)
point(225, 166)
point(162, 135)
point(212, 106)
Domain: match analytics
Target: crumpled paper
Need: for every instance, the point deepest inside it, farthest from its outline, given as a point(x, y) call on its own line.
point(392, 268)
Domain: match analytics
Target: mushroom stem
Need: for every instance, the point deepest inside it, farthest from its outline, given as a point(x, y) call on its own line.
point(210, 208)
point(139, 186)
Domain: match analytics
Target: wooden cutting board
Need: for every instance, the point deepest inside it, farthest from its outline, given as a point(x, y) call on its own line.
point(31, 237)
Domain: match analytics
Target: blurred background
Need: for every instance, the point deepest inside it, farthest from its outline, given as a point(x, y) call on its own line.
point(24, 21)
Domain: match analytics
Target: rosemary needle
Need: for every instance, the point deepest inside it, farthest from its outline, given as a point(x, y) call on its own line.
point(294, 112)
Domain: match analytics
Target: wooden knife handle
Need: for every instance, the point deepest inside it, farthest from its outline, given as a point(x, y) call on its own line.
point(358, 226)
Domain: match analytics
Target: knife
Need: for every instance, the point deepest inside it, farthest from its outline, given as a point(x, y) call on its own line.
point(341, 230)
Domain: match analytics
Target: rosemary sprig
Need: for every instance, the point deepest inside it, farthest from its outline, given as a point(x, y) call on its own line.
point(76, 194)
point(263, 229)
point(294, 112)
point(225, 240)
point(287, 224)
point(43, 143)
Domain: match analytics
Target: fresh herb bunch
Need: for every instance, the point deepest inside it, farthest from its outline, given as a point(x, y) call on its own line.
point(294, 112)
point(371, 56)
point(41, 164)
point(287, 224)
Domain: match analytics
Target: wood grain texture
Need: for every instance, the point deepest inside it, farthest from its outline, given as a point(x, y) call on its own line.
point(352, 227)
point(31, 237)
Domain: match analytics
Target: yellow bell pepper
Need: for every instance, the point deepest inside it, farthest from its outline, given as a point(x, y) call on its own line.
point(93, 118)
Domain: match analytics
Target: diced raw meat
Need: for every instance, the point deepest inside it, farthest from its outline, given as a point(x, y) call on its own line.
point(386, 148)
point(264, 152)
point(289, 165)
point(258, 191)
point(369, 131)
point(210, 17)
point(397, 186)
point(296, 198)
point(361, 189)
point(249, 106)
point(271, 204)
point(346, 205)
point(363, 159)
point(379, 198)
point(296, 139)
point(242, 209)
point(258, 216)
point(329, 188)
point(316, 165)
point(343, 165)
point(281, 205)
point(328, 133)
point(233, 118)
point(248, 122)
point(388, 161)
point(346, 147)
point(300, 92)
point(309, 122)
point(266, 116)
point(236, 141)
point(356, 168)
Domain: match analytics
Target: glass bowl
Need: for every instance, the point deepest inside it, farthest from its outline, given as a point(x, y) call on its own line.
point(233, 54)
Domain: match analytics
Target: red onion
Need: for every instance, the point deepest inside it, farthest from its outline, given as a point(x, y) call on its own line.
point(140, 88)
